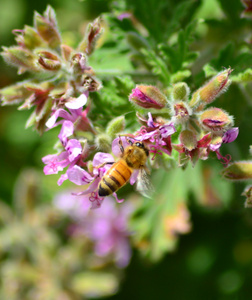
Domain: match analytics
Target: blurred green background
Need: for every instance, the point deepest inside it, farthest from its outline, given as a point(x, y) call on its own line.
point(213, 261)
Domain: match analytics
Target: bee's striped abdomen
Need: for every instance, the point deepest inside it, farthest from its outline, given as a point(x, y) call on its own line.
point(115, 178)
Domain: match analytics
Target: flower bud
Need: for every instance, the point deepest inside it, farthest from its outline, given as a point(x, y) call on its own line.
point(241, 170)
point(180, 91)
point(14, 94)
point(247, 13)
point(115, 126)
point(66, 52)
point(103, 142)
point(92, 34)
point(188, 139)
point(48, 60)
point(20, 57)
point(212, 89)
point(47, 27)
point(215, 119)
point(29, 38)
point(148, 96)
point(248, 194)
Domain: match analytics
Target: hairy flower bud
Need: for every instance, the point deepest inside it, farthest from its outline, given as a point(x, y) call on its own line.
point(247, 13)
point(241, 170)
point(248, 194)
point(46, 26)
point(92, 34)
point(14, 94)
point(103, 142)
point(49, 60)
point(29, 38)
point(180, 91)
point(188, 139)
point(115, 126)
point(211, 90)
point(21, 58)
point(148, 96)
point(215, 119)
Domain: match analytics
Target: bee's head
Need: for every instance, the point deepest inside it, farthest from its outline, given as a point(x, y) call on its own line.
point(142, 146)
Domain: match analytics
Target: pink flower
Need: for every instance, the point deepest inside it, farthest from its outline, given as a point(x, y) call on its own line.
point(228, 137)
point(72, 154)
point(106, 227)
point(156, 135)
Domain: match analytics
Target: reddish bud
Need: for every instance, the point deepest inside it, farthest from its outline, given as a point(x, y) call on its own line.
point(49, 60)
point(215, 119)
point(148, 96)
point(93, 32)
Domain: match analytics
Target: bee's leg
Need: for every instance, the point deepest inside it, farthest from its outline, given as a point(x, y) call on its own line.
point(105, 163)
point(121, 145)
point(129, 141)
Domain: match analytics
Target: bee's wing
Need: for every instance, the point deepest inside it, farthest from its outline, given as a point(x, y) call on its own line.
point(143, 184)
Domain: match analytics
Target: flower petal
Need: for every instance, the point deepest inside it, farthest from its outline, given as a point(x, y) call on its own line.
point(79, 176)
point(76, 103)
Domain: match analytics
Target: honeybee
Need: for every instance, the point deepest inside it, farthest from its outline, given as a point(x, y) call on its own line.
point(133, 157)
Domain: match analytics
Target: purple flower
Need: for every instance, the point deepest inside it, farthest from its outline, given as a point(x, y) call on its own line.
point(228, 137)
point(69, 157)
point(106, 227)
point(157, 135)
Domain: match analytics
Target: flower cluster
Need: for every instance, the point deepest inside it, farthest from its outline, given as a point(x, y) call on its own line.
point(61, 75)
point(201, 130)
point(60, 91)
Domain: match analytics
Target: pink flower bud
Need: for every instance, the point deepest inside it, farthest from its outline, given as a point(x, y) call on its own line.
point(148, 96)
point(215, 119)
